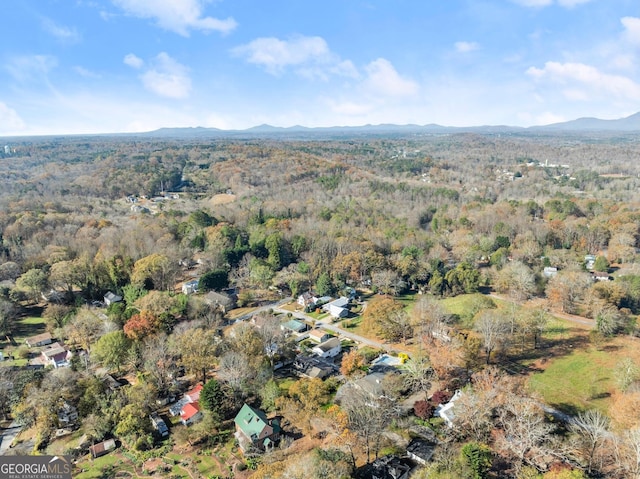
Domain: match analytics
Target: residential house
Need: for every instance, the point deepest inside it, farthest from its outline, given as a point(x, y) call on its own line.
point(390, 467)
point(328, 349)
point(307, 299)
point(549, 271)
point(67, 415)
point(372, 384)
point(111, 298)
point(226, 300)
point(111, 383)
point(102, 448)
point(190, 287)
point(39, 340)
point(159, 425)
point(600, 276)
point(445, 411)
point(319, 335)
point(190, 413)
point(337, 312)
point(294, 326)
point(421, 451)
point(313, 367)
point(193, 395)
point(56, 355)
point(337, 308)
point(254, 430)
point(590, 261)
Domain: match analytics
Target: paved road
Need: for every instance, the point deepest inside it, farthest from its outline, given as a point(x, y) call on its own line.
point(7, 435)
point(335, 329)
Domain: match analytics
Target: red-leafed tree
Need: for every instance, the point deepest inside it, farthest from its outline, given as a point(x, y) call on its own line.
point(423, 409)
point(141, 325)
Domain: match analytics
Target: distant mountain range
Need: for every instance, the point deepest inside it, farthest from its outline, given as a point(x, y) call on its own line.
point(581, 125)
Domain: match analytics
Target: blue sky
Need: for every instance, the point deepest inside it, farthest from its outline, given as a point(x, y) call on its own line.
point(96, 66)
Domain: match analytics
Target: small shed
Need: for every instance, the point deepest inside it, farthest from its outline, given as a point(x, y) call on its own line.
point(102, 448)
point(111, 298)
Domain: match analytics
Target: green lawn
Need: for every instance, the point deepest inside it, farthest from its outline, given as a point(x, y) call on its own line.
point(94, 469)
point(583, 379)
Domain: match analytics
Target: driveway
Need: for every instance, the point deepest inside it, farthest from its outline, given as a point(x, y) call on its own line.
point(7, 435)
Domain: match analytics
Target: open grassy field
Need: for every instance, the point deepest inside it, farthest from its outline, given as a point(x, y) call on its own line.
point(584, 378)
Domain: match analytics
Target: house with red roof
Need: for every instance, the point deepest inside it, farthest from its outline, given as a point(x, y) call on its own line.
point(190, 413)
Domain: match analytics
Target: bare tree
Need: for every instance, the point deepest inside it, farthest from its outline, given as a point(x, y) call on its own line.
point(492, 326)
point(524, 426)
point(590, 435)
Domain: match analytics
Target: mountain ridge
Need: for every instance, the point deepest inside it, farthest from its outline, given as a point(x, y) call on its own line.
point(580, 125)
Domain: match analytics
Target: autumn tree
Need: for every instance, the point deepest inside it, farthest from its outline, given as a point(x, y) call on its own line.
point(197, 348)
point(517, 280)
point(34, 281)
point(141, 325)
point(352, 364)
point(111, 349)
point(566, 289)
point(418, 373)
point(388, 318)
point(156, 271)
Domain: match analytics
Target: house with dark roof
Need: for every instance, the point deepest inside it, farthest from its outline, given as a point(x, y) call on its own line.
point(390, 467)
point(313, 367)
point(56, 355)
point(39, 340)
point(111, 298)
point(254, 430)
point(420, 451)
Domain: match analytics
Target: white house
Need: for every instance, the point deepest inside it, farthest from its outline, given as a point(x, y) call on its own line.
point(337, 312)
point(341, 302)
point(190, 287)
point(445, 411)
point(328, 349)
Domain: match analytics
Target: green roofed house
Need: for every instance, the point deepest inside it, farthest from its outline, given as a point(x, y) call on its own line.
point(253, 429)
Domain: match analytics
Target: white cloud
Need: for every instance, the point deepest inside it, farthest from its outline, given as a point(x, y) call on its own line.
point(533, 3)
point(587, 76)
point(179, 16)
point(61, 32)
point(349, 108)
point(632, 29)
point(133, 61)
point(465, 47)
point(166, 77)
point(548, 118)
point(546, 3)
point(10, 121)
point(31, 67)
point(571, 3)
point(383, 78)
point(83, 72)
point(275, 55)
